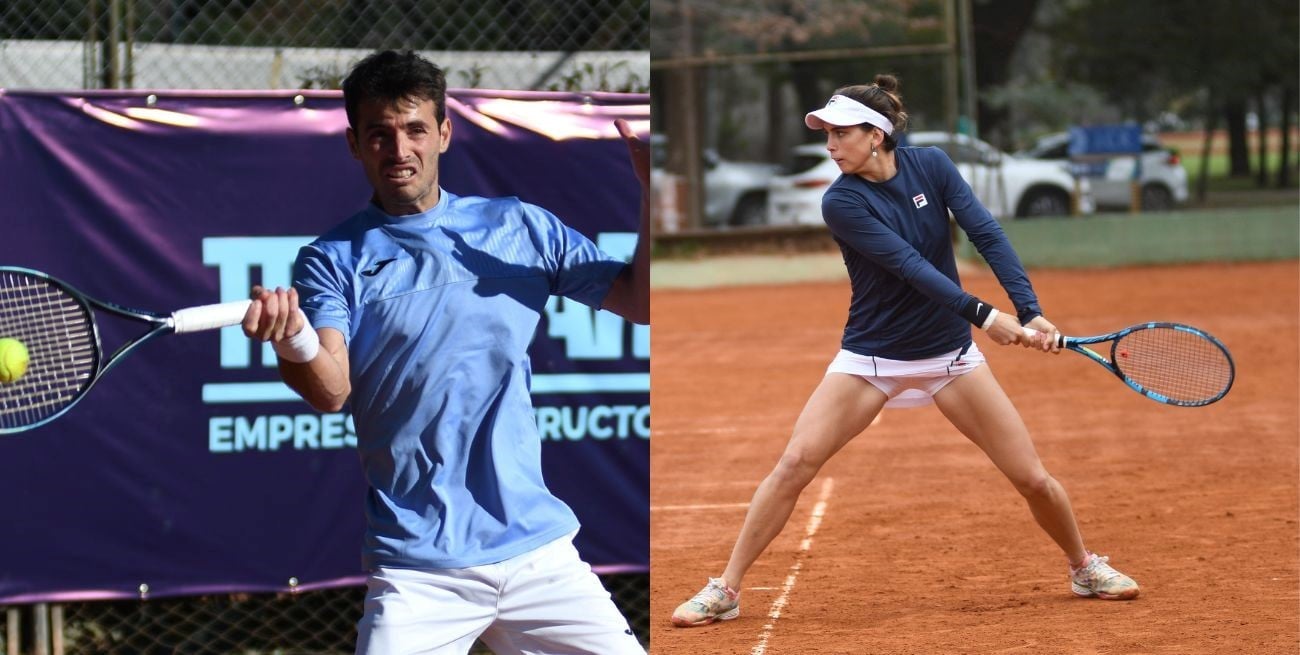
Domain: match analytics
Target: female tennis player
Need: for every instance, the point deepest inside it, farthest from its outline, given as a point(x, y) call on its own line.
point(907, 341)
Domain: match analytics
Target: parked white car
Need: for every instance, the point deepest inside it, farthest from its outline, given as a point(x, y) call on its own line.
point(1007, 185)
point(735, 193)
point(1162, 180)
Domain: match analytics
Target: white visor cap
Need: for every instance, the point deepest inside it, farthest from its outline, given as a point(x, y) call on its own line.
point(843, 111)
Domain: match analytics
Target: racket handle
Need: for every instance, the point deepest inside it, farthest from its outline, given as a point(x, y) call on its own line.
point(1031, 333)
point(209, 317)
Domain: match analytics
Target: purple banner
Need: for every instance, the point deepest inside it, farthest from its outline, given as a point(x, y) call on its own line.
point(190, 468)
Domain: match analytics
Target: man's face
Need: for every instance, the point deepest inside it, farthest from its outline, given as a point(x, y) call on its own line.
point(398, 145)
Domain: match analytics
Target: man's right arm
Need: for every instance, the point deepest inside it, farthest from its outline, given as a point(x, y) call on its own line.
point(322, 379)
point(323, 382)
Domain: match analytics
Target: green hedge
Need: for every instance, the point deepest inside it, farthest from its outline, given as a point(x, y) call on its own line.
point(1153, 238)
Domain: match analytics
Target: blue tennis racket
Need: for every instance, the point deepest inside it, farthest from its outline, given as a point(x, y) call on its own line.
point(56, 324)
point(1170, 363)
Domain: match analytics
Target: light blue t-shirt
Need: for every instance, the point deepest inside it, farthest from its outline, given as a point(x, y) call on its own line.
point(439, 309)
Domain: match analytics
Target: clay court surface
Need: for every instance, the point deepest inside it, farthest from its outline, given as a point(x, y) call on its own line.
point(922, 546)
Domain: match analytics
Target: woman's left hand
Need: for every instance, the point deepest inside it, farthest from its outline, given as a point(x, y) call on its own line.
point(1047, 335)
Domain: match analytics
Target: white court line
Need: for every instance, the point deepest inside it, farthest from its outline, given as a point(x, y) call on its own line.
point(814, 522)
point(673, 508)
point(683, 431)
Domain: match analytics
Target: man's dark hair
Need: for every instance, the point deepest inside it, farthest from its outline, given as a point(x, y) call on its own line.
point(390, 76)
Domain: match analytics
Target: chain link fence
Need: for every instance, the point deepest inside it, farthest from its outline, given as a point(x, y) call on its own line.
point(576, 45)
point(310, 623)
point(732, 80)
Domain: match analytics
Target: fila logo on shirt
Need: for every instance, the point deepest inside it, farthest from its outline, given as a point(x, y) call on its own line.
point(919, 200)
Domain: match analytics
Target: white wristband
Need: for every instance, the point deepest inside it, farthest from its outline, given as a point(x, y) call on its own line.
point(988, 322)
point(299, 348)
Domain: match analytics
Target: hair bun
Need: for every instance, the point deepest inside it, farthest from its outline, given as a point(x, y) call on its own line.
point(887, 82)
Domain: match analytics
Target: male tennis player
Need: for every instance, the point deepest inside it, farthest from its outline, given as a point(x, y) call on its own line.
point(419, 310)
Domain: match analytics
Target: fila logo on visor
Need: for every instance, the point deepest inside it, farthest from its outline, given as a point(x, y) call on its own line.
point(919, 200)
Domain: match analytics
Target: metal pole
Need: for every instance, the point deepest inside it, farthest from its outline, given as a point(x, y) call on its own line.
point(56, 629)
point(692, 170)
point(90, 50)
point(41, 627)
point(968, 65)
point(129, 71)
point(714, 59)
point(114, 37)
point(14, 633)
point(950, 63)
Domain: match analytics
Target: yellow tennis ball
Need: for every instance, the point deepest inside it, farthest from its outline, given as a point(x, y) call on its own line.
point(13, 360)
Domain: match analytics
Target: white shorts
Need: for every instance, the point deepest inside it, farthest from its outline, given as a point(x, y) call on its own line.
point(909, 383)
point(542, 602)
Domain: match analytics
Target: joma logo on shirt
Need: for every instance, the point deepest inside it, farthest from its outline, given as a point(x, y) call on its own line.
point(919, 200)
point(379, 266)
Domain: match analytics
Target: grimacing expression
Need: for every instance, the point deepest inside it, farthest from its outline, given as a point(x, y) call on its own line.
point(398, 144)
point(850, 146)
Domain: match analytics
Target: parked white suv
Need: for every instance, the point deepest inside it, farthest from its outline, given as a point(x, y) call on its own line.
point(1007, 185)
point(1162, 180)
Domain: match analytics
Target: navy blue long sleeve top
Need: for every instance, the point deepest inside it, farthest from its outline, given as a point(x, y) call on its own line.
point(907, 296)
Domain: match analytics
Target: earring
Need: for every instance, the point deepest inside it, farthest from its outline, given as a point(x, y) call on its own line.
point(873, 151)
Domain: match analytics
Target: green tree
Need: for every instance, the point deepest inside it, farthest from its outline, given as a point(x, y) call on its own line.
point(789, 35)
point(998, 27)
point(1141, 54)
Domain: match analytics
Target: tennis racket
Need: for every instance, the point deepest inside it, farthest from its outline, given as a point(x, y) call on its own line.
point(1167, 362)
point(57, 325)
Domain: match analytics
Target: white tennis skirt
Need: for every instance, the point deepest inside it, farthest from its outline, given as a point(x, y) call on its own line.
point(909, 383)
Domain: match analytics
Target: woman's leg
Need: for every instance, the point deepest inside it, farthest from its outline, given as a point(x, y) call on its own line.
point(839, 409)
point(977, 406)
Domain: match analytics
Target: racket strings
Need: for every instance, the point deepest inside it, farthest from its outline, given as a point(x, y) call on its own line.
point(63, 354)
point(1183, 366)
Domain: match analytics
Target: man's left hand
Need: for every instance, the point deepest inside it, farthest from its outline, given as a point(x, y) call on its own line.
point(638, 151)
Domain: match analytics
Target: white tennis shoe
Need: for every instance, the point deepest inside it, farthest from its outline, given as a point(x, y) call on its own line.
point(715, 602)
point(1097, 578)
